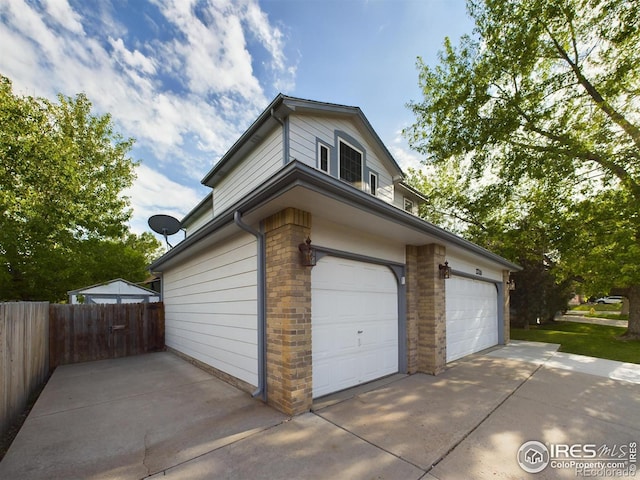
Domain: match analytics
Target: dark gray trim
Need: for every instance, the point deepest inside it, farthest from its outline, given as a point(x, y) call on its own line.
point(200, 208)
point(297, 174)
point(499, 293)
point(330, 155)
point(286, 150)
point(398, 270)
point(285, 105)
point(262, 307)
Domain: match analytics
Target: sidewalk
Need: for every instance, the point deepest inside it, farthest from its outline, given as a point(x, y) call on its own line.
point(547, 354)
point(578, 317)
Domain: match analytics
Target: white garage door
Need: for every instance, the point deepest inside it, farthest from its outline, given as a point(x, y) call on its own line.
point(472, 316)
point(354, 323)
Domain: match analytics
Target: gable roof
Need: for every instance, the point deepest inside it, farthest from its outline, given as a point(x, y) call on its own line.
point(273, 116)
point(295, 176)
point(95, 288)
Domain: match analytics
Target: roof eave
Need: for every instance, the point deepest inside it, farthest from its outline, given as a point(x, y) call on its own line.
point(302, 175)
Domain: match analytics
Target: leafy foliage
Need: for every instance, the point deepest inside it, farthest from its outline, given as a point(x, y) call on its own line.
point(532, 128)
point(62, 171)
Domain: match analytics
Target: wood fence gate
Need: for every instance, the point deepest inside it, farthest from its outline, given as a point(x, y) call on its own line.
point(81, 333)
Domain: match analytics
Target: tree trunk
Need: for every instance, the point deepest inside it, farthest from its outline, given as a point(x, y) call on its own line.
point(625, 306)
point(633, 330)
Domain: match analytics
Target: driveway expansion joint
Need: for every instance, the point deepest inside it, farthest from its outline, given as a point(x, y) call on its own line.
point(486, 417)
point(370, 443)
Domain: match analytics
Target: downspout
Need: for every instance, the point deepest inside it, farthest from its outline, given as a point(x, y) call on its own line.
point(285, 137)
point(261, 391)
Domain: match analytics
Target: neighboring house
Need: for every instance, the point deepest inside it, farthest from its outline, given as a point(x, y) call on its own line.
point(239, 301)
point(114, 291)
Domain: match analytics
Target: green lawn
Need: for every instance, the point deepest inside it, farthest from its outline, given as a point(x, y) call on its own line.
point(583, 339)
point(599, 307)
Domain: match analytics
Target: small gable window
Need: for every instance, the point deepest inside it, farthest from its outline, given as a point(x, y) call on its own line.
point(350, 164)
point(408, 205)
point(323, 158)
point(373, 183)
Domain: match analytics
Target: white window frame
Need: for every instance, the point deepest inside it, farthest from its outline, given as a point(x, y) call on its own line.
point(372, 190)
point(341, 141)
point(408, 203)
point(322, 146)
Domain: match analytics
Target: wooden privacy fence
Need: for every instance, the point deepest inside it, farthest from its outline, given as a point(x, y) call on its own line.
point(24, 356)
point(81, 333)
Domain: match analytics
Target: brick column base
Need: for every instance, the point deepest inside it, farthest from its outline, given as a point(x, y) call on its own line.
point(426, 309)
point(288, 309)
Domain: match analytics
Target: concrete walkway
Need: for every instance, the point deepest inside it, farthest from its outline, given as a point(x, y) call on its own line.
point(577, 317)
point(158, 416)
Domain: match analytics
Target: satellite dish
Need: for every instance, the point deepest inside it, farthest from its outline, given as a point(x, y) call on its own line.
point(164, 225)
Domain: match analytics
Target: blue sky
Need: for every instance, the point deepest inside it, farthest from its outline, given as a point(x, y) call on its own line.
point(186, 78)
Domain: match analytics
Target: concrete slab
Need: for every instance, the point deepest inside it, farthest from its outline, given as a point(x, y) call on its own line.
point(88, 425)
point(158, 415)
point(306, 447)
point(343, 395)
point(628, 372)
point(554, 406)
point(531, 352)
point(422, 417)
point(546, 353)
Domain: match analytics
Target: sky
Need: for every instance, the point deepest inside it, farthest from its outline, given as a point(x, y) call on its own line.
point(186, 78)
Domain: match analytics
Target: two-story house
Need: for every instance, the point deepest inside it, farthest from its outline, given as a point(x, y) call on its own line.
point(376, 290)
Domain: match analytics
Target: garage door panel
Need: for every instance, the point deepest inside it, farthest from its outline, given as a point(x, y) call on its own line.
point(354, 323)
point(472, 316)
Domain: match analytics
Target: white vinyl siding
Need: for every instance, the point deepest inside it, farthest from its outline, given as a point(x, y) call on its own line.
point(195, 223)
point(306, 130)
point(255, 169)
point(211, 307)
point(328, 234)
point(469, 264)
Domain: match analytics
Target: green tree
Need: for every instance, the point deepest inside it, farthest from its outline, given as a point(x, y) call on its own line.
point(62, 173)
point(546, 92)
point(514, 224)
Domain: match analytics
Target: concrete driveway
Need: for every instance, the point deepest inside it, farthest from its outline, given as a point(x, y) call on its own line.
point(158, 416)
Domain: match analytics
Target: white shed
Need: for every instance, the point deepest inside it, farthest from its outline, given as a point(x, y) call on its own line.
point(113, 291)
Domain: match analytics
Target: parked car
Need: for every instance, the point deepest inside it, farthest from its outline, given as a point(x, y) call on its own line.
point(609, 299)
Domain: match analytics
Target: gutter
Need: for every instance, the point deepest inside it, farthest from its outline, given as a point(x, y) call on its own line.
point(261, 391)
point(295, 174)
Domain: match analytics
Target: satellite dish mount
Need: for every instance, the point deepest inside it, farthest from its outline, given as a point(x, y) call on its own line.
point(165, 225)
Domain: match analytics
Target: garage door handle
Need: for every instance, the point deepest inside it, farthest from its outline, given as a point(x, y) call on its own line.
point(360, 331)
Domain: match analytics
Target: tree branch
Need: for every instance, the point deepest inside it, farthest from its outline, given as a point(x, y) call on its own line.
point(619, 119)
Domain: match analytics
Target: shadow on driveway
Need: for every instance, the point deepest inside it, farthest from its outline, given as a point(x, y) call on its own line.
point(157, 415)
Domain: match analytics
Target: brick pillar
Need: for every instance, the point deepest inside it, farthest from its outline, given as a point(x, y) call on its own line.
point(506, 295)
point(412, 295)
point(288, 305)
point(432, 340)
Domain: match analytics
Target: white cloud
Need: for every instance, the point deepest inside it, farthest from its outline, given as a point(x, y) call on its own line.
point(153, 193)
point(185, 98)
point(61, 11)
point(405, 157)
point(134, 60)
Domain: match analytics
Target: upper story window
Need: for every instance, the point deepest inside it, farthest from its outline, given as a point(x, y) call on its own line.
point(373, 183)
point(323, 158)
point(408, 205)
point(350, 164)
